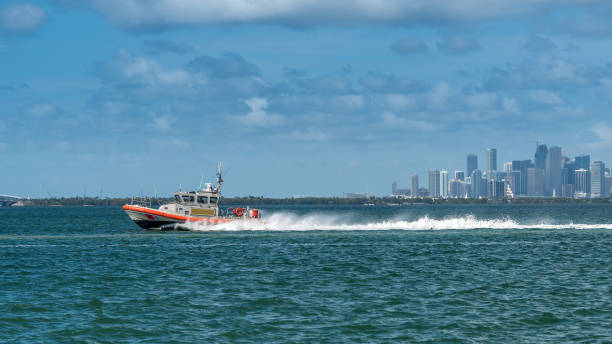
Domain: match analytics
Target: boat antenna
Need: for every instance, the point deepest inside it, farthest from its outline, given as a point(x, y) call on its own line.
point(201, 180)
point(219, 175)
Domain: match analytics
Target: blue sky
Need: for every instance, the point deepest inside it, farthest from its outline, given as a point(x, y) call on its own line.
point(295, 98)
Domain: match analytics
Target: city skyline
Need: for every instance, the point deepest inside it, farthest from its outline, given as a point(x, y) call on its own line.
point(550, 173)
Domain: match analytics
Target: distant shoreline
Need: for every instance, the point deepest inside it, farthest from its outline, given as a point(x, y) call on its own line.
point(251, 200)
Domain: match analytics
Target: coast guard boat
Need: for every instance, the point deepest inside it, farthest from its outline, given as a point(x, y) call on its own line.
point(201, 206)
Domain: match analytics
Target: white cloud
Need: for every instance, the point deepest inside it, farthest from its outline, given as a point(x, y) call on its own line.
point(563, 70)
point(41, 110)
point(394, 121)
point(21, 18)
point(604, 134)
point(438, 97)
point(353, 102)
point(128, 68)
point(482, 100)
point(162, 123)
point(510, 105)
point(401, 101)
point(258, 115)
point(167, 13)
point(570, 112)
point(545, 97)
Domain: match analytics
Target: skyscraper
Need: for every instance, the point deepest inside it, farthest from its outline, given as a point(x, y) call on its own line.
point(567, 173)
point(514, 180)
point(567, 177)
point(393, 188)
point(491, 160)
point(540, 156)
point(582, 161)
point(444, 183)
point(508, 167)
point(472, 163)
point(476, 186)
point(582, 183)
point(522, 166)
point(495, 189)
point(553, 171)
point(567, 191)
point(457, 188)
point(434, 183)
point(597, 179)
point(535, 182)
point(414, 184)
point(459, 175)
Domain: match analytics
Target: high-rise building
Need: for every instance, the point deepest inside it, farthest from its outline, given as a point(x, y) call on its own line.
point(476, 186)
point(508, 167)
point(491, 160)
point(456, 188)
point(608, 185)
point(567, 191)
point(495, 189)
point(582, 161)
point(553, 171)
point(582, 183)
point(472, 164)
point(597, 179)
point(535, 182)
point(540, 156)
point(398, 192)
point(567, 173)
point(434, 183)
point(414, 184)
point(509, 187)
point(513, 179)
point(522, 166)
point(444, 184)
point(459, 175)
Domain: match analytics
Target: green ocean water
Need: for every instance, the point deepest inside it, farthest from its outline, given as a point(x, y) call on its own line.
point(311, 274)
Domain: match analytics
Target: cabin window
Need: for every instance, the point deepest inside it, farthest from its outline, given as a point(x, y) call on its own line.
point(187, 199)
point(213, 200)
point(177, 197)
point(203, 199)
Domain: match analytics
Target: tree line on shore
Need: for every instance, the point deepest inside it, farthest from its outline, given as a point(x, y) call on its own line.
point(260, 200)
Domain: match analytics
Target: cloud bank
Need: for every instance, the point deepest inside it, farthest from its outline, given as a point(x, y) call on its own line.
point(21, 18)
point(159, 14)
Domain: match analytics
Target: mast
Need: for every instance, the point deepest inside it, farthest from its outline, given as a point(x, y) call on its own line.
point(219, 177)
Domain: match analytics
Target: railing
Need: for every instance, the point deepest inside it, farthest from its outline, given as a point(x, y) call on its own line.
point(141, 201)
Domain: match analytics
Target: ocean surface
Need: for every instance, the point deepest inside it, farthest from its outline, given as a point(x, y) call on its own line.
point(311, 274)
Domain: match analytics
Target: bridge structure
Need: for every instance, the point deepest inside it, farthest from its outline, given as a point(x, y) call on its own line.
point(8, 200)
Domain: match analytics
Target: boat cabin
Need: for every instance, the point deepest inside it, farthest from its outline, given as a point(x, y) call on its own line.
point(199, 203)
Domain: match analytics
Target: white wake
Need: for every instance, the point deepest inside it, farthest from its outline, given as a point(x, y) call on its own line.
point(324, 222)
